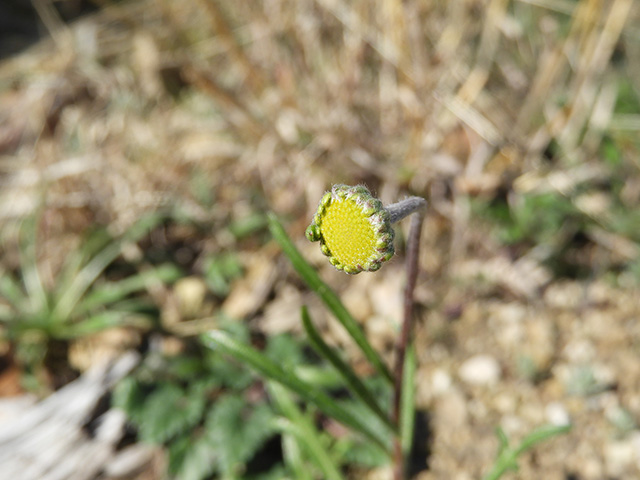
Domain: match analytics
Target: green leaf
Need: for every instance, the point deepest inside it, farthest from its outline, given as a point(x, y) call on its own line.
point(37, 299)
point(248, 225)
point(278, 472)
point(193, 459)
point(293, 457)
point(365, 416)
point(503, 439)
point(407, 399)
point(325, 376)
point(230, 374)
point(508, 456)
point(168, 411)
point(354, 384)
point(190, 368)
point(237, 430)
point(10, 290)
point(95, 323)
point(69, 298)
point(129, 396)
point(220, 271)
point(7, 316)
point(269, 369)
point(355, 451)
point(300, 427)
point(540, 435)
point(91, 244)
point(328, 296)
point(284, 350)
point(111, 292)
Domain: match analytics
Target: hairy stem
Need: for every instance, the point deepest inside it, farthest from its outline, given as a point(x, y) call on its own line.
point(403, 208)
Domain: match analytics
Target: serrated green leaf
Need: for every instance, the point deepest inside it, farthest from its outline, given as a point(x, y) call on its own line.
point(237, 430)
point(177, 451)
point(284, 350)
point(188, 367)
point(130, 397)
point(229, 374)
point(168, 411)
point(220, 271)
point(194, 459)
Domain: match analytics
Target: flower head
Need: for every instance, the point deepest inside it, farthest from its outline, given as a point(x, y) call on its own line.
point(353, 228)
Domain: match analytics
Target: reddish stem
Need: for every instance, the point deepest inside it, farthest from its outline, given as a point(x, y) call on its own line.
point(413, 252)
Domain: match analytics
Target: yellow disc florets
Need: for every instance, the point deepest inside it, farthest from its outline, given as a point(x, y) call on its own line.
point(353, 229)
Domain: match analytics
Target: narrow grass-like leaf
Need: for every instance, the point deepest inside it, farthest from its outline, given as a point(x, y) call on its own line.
point(328, 296)
point(88, 274)
point(7, 314)
point(320, 377)
point(83, 280)
point(37, 295)
point(112, 292)
point(358, 388)
point(292, 454)
point(303, 430)
point(408, 408)
point(266, 367)
point(11, 291)
point(77, 258)
point(540, 435)
point(507, 459)
point(503, 440)
point(100, 321)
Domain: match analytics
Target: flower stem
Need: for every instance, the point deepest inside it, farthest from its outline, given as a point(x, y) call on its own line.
point(404, 208)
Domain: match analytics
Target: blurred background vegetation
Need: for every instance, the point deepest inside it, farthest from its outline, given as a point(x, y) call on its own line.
point(143, 143)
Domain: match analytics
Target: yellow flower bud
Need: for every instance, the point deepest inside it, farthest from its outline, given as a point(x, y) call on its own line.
point(353, 229)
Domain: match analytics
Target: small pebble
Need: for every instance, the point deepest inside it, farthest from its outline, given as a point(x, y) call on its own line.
point(451, 409)
point(556, 414)
point(619, 457)
point(480, 370)
point(440, 381)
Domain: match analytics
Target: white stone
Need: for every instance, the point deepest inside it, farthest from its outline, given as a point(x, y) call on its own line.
point(557, 414)
point(480, 370)
point(440, 381)
point(619, 457)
